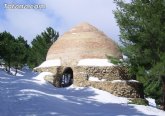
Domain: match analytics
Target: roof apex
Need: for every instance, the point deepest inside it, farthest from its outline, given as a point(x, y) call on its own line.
point(83, 27)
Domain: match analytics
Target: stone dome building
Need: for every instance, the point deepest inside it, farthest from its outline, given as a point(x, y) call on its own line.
point(79, 57)
point(81, 42)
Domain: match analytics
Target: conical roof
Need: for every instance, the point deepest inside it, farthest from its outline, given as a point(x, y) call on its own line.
point(83, 41)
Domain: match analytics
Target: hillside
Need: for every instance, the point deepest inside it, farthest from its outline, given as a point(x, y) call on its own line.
point(27, 94)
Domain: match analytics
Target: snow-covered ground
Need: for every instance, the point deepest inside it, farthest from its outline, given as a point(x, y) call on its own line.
point(29, 95)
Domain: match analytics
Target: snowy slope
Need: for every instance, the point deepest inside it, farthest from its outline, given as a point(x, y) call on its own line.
point(29, 95)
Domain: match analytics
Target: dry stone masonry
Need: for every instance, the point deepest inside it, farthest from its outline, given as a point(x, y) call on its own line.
point(65, 59)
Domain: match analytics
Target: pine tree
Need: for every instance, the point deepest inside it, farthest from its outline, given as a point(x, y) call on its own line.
point(40, 46)
point(6, 49)
point(142, 28)
point(13, 52)
point(20, 53)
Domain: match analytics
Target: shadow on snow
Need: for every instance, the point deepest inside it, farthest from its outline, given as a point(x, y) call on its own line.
point(21, 96)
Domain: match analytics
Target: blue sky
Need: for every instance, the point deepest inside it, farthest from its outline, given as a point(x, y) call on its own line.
point(59, 14)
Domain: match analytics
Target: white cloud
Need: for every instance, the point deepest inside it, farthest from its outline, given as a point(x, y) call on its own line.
point(61, 15)
point(97, 12)
point(27, 23)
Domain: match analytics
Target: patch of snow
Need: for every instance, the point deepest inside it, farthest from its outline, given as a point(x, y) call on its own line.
point(13, 73)
point(49, 63)
point(94, 62)
point(2, 67)
point(148, 110)
point(151, 102)
point(133, 81)
point(125, 57)
point(40, 78)
point(124, 81)
point(96, 79)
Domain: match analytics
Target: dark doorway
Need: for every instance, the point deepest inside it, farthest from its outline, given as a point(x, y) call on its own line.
point(67, 77)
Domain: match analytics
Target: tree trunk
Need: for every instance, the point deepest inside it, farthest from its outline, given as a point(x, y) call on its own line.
point(9, 66)
point(163, 99)
point(16, 70)
point(6, 68)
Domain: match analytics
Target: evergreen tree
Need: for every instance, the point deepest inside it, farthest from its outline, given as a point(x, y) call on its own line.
point(6, 49)
point(20, 53)
point(13, 52)
point(142, 28)
point(26, 48)
point(40, 46)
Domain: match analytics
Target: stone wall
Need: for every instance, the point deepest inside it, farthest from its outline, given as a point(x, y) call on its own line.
point(107, 73)
point(121, 89)
point(81, 78)
point(57, 71)
point(124, 88)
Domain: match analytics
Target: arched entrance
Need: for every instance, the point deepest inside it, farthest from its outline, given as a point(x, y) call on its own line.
point(67, 77)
